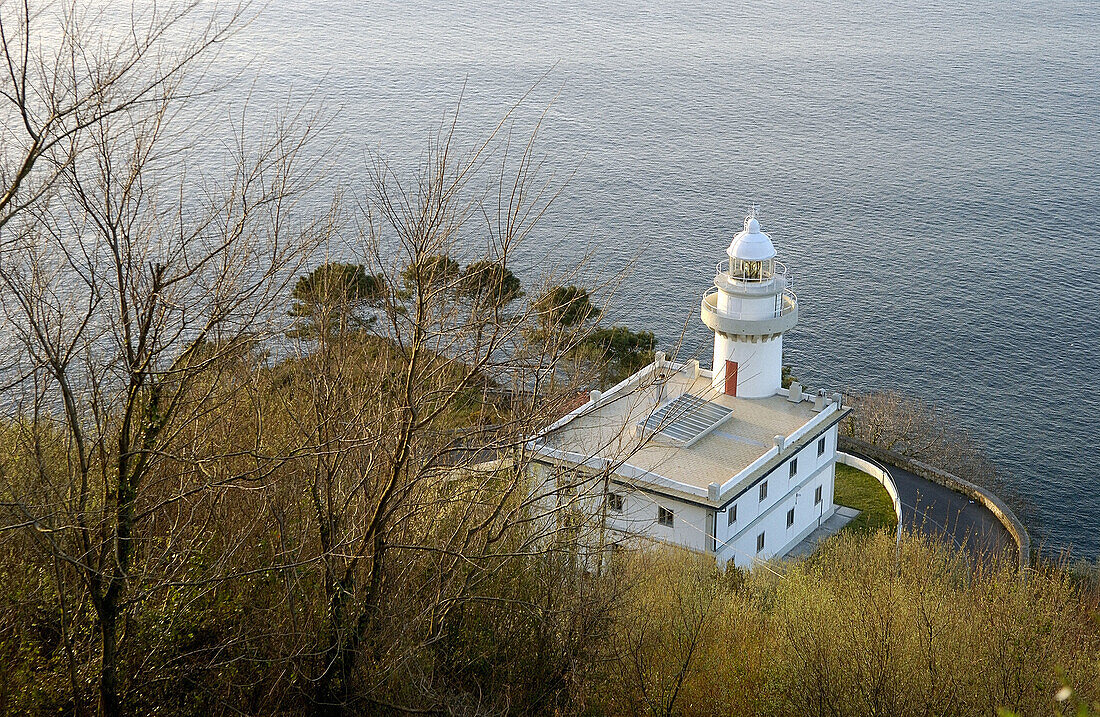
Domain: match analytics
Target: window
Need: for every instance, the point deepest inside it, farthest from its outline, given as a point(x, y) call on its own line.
point(731, 514)
point(664, 516)
point(566, 481)
point(759, 542)
point(615, 502)
point(821, 446)
point(817, 495)
point(794, 467)
point(763, 490)
point(752, 270)
point(790, 517)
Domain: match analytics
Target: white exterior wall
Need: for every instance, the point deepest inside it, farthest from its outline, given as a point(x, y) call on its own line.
point(639, 517)
point(759, 365)
point(747, 307)
point(737, 542)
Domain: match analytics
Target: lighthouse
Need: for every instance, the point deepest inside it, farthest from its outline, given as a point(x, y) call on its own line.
point(750, 306)
point(723, 461)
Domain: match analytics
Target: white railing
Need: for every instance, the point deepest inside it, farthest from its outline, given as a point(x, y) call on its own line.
point(780, 271)
point(882, 473)
point(785, 303)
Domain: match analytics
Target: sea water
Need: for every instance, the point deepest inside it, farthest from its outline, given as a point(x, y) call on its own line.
point(928, 171)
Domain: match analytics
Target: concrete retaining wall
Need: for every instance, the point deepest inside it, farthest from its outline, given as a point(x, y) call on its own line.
point(995, 505)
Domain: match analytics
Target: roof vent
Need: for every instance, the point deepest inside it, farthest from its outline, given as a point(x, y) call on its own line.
point(794, 393)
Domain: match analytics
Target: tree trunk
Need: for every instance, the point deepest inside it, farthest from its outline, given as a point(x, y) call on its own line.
point(108, 674)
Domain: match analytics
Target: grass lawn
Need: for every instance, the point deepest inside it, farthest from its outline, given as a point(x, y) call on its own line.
point(856, 489)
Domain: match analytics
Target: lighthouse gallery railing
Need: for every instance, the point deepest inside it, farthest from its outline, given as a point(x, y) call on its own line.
point(785, 303)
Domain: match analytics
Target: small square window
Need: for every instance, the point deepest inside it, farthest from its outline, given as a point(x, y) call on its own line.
point(566, 482)
point(759, 542)
point(817, 495)
point(664, 516)
point(615, 502)
point(821, 446)
point(731, 514)
point(790, 517)
point(763, 490)
point(794, 467)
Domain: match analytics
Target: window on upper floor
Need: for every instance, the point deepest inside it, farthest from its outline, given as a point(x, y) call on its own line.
point(763, 490)
point(566, 481)
point(664, 516)
point(794, 467)
point(731, 514)
point(821, 446)
point(790, 517)
point(759, 542)
point(615, 502)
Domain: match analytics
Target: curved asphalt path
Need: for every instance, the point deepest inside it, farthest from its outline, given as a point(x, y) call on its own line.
point(940, 513)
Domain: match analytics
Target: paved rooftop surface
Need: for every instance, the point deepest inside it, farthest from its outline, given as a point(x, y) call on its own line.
point(609, 431)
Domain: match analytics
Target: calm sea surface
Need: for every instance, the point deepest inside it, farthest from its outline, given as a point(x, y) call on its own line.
point(929, 171)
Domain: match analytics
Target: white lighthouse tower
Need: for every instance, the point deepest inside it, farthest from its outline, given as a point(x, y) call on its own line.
point(749, 307)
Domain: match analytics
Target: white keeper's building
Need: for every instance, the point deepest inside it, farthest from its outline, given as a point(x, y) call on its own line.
point(722, 461)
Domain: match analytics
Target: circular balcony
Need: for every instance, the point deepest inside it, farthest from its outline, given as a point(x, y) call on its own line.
point(781, 319)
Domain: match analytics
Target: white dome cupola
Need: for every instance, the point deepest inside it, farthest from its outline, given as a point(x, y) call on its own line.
point(751, 244)
point(749, 307)
point(751, 253)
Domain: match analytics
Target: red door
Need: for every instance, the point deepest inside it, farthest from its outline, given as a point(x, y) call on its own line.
point(731, 378)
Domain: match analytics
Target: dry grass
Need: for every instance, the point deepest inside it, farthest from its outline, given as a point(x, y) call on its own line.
point(852, 632)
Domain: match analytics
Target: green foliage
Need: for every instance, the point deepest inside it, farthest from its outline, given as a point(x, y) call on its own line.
point(858, 490)
point(787, 377)
point(565, 307)
point(490, 284)
point(432, 273)
point(849, 631)
point(844, 632)
point(619, 352)
point(327, 300)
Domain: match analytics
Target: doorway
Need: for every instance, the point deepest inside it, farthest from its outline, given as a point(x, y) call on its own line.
point(731, 378)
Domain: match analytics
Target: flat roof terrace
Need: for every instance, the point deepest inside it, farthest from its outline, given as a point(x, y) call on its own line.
point(608, 429)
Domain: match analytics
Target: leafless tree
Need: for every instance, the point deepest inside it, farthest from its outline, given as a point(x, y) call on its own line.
point(129, 288)
point(918, 429)
point(411, 437)
point(153, 440)
point(69, 66)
